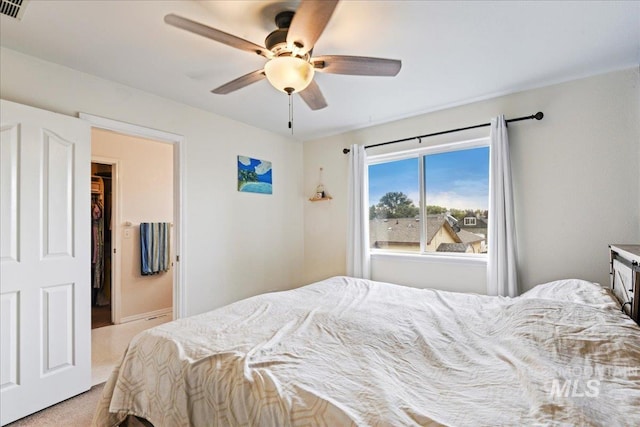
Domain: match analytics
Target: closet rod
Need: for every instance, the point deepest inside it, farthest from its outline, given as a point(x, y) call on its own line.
point(537, 116)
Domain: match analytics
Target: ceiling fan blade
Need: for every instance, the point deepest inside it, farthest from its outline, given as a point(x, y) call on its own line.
point(215, 34)
point(240, 82)
point(356, 65)
point(313, 96)
point(309, 22)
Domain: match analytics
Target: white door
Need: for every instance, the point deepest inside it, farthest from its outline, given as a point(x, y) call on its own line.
point(45, 269)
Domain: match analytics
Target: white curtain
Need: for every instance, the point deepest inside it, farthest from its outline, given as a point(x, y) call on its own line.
point(358, 257)
point(501, 268)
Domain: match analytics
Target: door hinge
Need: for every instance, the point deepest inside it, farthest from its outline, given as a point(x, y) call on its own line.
point(177, 258)
point(114, 250)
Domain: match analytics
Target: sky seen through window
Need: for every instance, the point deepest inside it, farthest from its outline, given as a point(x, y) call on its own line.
point(454, 179)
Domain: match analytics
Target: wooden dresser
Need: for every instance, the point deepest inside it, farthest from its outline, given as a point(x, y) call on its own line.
point(624, 270)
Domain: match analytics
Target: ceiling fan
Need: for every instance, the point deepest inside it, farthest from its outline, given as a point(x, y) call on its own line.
point(290, 67)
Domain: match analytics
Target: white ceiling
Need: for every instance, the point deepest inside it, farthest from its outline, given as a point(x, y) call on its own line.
point(452, 52)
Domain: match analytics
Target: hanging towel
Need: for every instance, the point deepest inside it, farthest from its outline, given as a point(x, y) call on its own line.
point(154, 247)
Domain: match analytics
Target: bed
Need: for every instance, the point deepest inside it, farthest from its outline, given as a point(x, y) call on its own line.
point(347, 351)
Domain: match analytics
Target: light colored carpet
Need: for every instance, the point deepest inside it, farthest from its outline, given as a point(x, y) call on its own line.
point(77, 412)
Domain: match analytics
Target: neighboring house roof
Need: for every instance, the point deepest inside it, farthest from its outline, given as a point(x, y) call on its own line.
point(400, 230)
point(469, 237)
point(453, 221)
point(407, 230)
point(434, 223)
point(453, 247)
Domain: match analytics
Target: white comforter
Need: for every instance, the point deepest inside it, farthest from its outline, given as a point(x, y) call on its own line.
point(355, 352)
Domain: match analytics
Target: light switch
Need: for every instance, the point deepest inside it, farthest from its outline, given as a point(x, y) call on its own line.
point(127, 233)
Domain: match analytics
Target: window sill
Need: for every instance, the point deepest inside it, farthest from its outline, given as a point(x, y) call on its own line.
point(472, 259)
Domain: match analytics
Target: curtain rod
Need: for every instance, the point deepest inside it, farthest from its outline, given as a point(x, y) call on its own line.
point(537, 116)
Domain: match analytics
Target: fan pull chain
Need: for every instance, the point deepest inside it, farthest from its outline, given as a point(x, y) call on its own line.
point(289, 92)
point(290, 114)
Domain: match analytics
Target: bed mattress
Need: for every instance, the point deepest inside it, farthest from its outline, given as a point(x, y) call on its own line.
point(348, 351)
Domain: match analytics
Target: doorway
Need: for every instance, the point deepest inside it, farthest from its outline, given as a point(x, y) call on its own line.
point(142, 285)
point(177, 230)
point(144, 184)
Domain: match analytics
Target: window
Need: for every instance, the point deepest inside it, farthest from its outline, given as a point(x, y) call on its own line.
point(432, 200)
point(470, 221)
point(394, 199)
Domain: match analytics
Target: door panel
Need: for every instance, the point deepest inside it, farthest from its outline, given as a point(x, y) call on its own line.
point(9, 345)
point(57, 328)
point(45, 259)
point(9, 151)
point(57, 182)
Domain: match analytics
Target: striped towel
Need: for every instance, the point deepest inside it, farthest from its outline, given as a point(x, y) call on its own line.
point(154, 247)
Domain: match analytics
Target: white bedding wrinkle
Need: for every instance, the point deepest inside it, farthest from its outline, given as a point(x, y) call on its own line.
point(350, 351)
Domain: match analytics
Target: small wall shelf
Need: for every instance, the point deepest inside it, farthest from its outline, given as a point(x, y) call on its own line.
point(321, 199)
point(320, 194)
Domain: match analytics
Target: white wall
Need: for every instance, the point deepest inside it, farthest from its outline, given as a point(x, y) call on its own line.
point(576, 181)
point(237, 244)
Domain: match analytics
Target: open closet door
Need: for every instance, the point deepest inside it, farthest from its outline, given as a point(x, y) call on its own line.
point(44, 259)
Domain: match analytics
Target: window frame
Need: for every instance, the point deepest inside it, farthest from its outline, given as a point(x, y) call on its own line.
point(420, 153)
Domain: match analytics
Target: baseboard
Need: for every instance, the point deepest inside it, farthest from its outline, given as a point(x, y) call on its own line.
point(148, 315)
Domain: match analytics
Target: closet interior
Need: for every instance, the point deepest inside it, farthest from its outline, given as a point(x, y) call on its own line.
point(101, 248)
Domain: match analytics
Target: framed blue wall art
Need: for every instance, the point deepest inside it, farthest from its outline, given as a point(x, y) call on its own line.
point(254, 176)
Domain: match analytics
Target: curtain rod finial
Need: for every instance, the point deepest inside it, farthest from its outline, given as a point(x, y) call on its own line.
point(538, 115)
point(346, 151)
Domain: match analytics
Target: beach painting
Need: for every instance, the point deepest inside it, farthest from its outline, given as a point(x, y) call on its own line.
point(254, 175)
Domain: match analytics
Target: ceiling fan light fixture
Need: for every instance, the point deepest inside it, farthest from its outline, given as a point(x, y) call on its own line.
point(289, 73)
